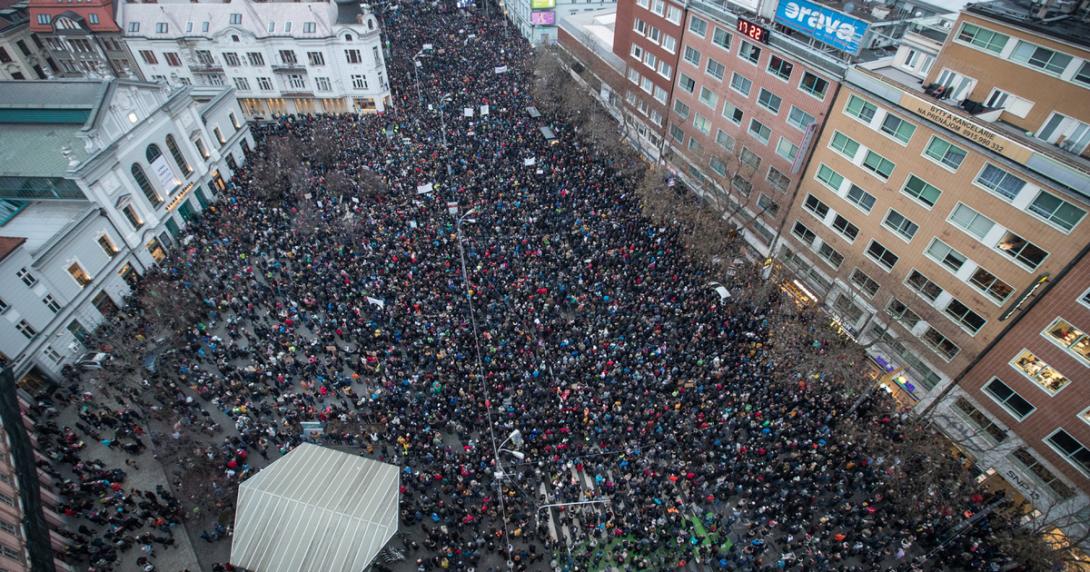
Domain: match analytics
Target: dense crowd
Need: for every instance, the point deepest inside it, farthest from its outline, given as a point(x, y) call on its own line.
point(579, 325)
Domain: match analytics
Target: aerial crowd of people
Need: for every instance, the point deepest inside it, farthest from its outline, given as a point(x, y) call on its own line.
point(581, 361)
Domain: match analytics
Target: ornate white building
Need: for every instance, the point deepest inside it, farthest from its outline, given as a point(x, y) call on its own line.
point(322, 56)
point(98, 180)
point(21, 54)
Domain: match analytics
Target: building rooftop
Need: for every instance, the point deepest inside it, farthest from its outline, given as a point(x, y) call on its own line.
point(40, 221)
point(1047, 160)
point(1037, 17)
point(594, 29)
point(38, 150)
point(8, 244)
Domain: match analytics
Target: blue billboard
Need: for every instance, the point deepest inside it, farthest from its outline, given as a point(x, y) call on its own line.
point(823, 24)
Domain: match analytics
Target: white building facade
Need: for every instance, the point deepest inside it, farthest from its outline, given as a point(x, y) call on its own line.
point(21, 55)
point(100, 179)
point(281, 57)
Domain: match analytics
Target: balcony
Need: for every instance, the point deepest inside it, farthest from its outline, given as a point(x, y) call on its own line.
point(205, 67)
point(289, 67)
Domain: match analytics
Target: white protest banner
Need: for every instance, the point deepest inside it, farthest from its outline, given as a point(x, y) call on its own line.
point(376, 302)
point(424, 189)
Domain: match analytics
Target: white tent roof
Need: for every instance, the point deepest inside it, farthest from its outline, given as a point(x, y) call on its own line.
point(315, 509)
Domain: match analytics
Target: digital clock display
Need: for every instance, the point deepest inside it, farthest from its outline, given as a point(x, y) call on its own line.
point(753, 31)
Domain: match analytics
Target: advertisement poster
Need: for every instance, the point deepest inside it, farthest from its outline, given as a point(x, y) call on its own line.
point(823, 24)
point(543, 18)
point(164, 174)
point(542, 4)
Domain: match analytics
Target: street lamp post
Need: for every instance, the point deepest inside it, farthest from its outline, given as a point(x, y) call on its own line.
point(484, 387)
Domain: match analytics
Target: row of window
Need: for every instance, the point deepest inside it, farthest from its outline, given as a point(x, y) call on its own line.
point(1050, 208)
point(235, 19)
point(778, 67)
point(655, 35)
point(205, 58)
point(1043, 59)
point(662, 9)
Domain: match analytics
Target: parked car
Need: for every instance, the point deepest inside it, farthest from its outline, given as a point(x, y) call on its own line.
point(93, 360)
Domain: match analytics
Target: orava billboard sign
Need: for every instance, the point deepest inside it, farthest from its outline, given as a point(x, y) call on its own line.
point(824, 24)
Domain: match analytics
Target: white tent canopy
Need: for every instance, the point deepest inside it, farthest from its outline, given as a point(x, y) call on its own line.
point(315, 509)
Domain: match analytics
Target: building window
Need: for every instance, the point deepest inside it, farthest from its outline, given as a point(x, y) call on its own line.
point(750, 159)
point(723, 140)
point(1022, 250)
point(741, 84)
point(134, 219)
point(946, 153)
point(732, 113)
point(264, 84)
point(787, 149)
point(1042, 473)
point(681, 109)
point(780, 67)
point(323, 84)
point(242, 84)
point(107, 245)
point(769, 100)
point(673, 14)
point(51, 303)
point(982, 38)
point(161, 27)
point(860, 108)
point(921, 190)
point(687, 84)
point(149, 57)
point(1000, 182)
point(898, 128)
point(865, 283)
point(881, 255)
point(845, 228)
point(691, 55)
point(316, 58)
point(844, 144)
point(79, 274)
point(829, 177)
point(741, 184)
point(219, 135)
point(677, 133)
point(1013, 403)
point(236, 19)
point(767, 204)
point(991, 285)
point(45, 18)
point(878, 164)
point(830, 255)
point(1044, 59)
point(145, 185)
point(969, 320)
point(231, 59)
point(296, 81)
point(803, 233)
point(749, 52)
point(815, 206)
point(698, 26)
point(176, 153)
point(309, 27)
point(923, 286)
point(708, 98)
point(1070, 338)
point(979, 420)
point(1071, 449)
point(701, 123)
point(759, 131)
point(1085, 299)
point(813, 85)
point(173, 59)
point(721, 38)
point(257, 60)
point(29, 279)
point(1056, 211)
point(900, 224)
point(1036, 370)
point(26, 329)
point(353, 56)
point(715, 69)
point(3, 306)
point(938, 342)
point(971, 221)
point(902, 314)
point(359, 81)
point(778, 180)
point(799, 118)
